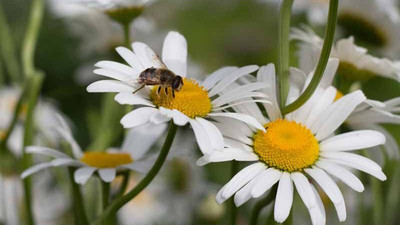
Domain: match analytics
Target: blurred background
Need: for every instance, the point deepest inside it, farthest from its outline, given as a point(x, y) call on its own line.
point(75, 36)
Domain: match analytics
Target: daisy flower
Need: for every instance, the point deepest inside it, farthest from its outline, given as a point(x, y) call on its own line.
point(131, 157)
point(43, 116)
point(355, 62)
point(196, 103)
point(297, 147)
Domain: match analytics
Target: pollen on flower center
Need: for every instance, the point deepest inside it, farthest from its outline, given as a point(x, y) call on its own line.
point(286, 145)
point(106, 160)
point(192, 100)
point(338, 95)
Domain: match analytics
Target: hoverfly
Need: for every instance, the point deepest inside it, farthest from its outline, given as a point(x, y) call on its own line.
point(159, 75)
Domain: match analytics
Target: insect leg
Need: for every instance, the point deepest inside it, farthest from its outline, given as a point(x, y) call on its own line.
point(166, 90)
point(139, 89)
point(173, 93)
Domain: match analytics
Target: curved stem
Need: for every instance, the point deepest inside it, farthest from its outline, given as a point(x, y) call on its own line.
point(232, 206)
point(323, 59)
point(261, 204)
point(124, 185)
point(112, 209)
point(283, 60)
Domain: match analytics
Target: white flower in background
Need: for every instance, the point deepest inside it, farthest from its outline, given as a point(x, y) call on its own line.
point(371, 115)
point(49, 203)
point(196, 103)
point(131, 157)
point(44, 118)
point(355, 62)
point(298, 146)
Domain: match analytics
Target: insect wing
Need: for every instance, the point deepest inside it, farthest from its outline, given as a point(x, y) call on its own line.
point(155, 59)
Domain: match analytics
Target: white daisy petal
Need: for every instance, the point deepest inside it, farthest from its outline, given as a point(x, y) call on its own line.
point(359, 163)
point(216, 76)
point(239, 180)
point(82, 175)
point(350, 157)
point(337, 113)
point(138, 117)
point(117, 75)
point(145, 55)
point(243, 195)
point(242, 117)
point(174, 53)
point(267, 74)
point(130, 58)
point(284, 198)
point(108, 174)
point(159, 118)
point(76, 149)
point(46, 151)
point(342, 174)
point(215, 136)
point(324, 101)
point(318, 215)
point(326, 183)
point(34, 169)
point(267, 179)
point(118, 67)
point(132, 99)
point(109, 86)
point(353, 141)
point(227, 154)
point(202, 138)
point(179, 118)
point(66, 162)
point(304, 189)
point(232, 78)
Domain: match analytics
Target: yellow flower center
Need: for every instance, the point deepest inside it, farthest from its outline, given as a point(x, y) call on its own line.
point(192, 100)
point(286, 145)
point(106, 160)
point(339, 94)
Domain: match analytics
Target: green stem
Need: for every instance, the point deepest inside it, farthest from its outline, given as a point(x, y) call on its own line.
point(268, 199)
point(31, 37)
point(283, 60)
point(232, 206)
point(78, 207)
point(105, 193)
point(112, 209)
point(8, 49)
point(127, 40)
point(34, 90)
point(322, 62)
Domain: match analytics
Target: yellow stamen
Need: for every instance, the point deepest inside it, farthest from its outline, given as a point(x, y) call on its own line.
point(339, 94)
point(286, 145)
point(106, 160)
point(192, 99)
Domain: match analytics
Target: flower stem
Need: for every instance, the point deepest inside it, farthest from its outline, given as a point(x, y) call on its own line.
point(261, 204)
point(8, 49)
point(34, 79)
point(105, 188)
point(112, 209)
point(232, 206)
point(78, 207)
point(127, 40)
point(323, 59)
point(283, 60)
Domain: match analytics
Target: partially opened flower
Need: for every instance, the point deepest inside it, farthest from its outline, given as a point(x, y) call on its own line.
point(355, 62)
point(131, 157)
point(300, 145)
point(196, 103)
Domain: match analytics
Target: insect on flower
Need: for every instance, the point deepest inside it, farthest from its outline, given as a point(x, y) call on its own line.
point(159, 76)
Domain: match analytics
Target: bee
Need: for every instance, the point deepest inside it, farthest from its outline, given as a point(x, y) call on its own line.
point(159, 75)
